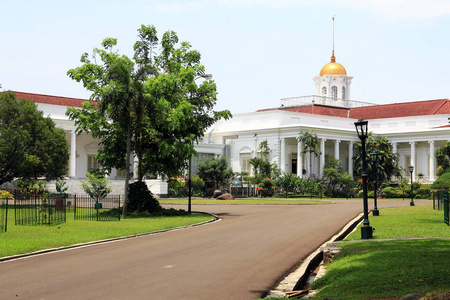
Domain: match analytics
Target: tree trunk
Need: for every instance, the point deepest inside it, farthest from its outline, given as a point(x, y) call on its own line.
point(127, 172)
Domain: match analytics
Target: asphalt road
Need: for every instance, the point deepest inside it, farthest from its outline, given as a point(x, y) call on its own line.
point(240, 257)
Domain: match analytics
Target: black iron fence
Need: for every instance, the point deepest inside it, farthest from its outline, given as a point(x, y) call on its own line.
point(3, 215)
point(92, 209)
point(39, 209)
point(441, 202)
point(243, 191)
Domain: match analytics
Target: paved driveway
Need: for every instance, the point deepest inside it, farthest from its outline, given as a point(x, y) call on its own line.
point(240, 257)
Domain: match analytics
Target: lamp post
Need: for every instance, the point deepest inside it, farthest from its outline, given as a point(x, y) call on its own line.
point(362, 130)
point(206, 77)
point(373, 157)
point(411, 170)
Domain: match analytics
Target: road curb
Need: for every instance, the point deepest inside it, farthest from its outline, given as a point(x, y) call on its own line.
point(299, 277)
point(45, 251)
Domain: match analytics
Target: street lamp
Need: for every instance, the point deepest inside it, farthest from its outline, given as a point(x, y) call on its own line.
point(411, 170)
point(206, 77)
point(362, 130)
point(373, 157)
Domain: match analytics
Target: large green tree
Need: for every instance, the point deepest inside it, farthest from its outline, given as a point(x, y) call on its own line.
point(151, 101)
point(443, 159)
point(30, 144)
point(215, 172)
point(387, 161)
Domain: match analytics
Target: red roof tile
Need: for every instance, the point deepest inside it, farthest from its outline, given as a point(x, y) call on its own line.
point(53, 100)
point(397, 110)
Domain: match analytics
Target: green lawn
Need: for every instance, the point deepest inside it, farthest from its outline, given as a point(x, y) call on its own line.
point(379, 269)
point(392, 268)
point(26, 238)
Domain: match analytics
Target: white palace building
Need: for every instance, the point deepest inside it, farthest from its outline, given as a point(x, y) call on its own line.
point(415, 129)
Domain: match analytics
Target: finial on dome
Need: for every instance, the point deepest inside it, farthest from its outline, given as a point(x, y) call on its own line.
point(333, 58)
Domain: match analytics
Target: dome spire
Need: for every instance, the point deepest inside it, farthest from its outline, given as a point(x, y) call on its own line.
point(333, 58)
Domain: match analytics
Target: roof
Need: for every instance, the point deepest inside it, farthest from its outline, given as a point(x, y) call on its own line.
point(398, 110)
point(395, 110)
point(52, 100)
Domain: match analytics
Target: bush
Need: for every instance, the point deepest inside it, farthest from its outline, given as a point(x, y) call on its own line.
point(141, 200)
point(390, 192)
point(442, 183)
point(267, 186)
point(198, 186)
point(176, 187)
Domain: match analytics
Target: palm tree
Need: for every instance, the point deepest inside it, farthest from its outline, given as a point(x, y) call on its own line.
point(387, 161)
point(311, 145)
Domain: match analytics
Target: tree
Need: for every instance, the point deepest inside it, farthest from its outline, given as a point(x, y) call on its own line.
point(151, 101)
point(443, 159)
point(310, 145)
point(215, 172)
point(387, 161)
point(262, 167)
point(338, 182)
point(96, 185)
point(30, 144)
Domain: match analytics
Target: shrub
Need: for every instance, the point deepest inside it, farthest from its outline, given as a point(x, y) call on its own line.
point(268, 187)
point(442, 183)
point(96, 185)
point(176, 186)
point(5, 194)
point(140, 199)
point(390, 192)
point(198, 186)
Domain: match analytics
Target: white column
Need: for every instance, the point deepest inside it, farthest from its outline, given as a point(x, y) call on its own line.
point(350, 158)
point(394, 147)
point(299, 159)
point(255, 154)
point(336, 149)
point(432, 167)
point(73, 155)
point(322, 156)
point(283, 156)
point(413, 156)
point(135, 167)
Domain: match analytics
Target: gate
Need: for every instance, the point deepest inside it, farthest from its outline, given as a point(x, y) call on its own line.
point(91, 209)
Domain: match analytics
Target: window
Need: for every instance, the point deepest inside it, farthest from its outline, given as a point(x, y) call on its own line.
point(334, 92)
point(343, 92)
point(92, 162)
point(120, 173)
point(245, 164)
point(324, 91)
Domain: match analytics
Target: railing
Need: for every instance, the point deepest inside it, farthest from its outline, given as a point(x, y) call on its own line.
point(100, 209)
point(322, 100)
point(441, 202)
point(39, 210)
point(3, 215)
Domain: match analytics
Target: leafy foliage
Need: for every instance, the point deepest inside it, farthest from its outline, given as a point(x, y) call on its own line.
point(96, 185)
point(151, 101)
point(443, 159)
point(442, 183)
point(310, 145)
point(387, 161)
point(215, 172)
point(288, 182)
point(338, 182)
point(140, 199)
point(30, 144)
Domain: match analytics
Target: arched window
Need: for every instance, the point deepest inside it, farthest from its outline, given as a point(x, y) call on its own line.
point(343, 92)
point(334, 92)
point(324, 91)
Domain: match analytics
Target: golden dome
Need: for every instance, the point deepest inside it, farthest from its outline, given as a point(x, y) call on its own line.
point(333, 68)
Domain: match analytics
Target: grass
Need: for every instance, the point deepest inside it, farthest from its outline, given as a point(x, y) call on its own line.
point(392, 268)
point(386, 269)
point(240, 201)
point(26, 238)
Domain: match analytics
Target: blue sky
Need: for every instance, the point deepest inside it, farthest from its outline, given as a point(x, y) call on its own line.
point(258, 51)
